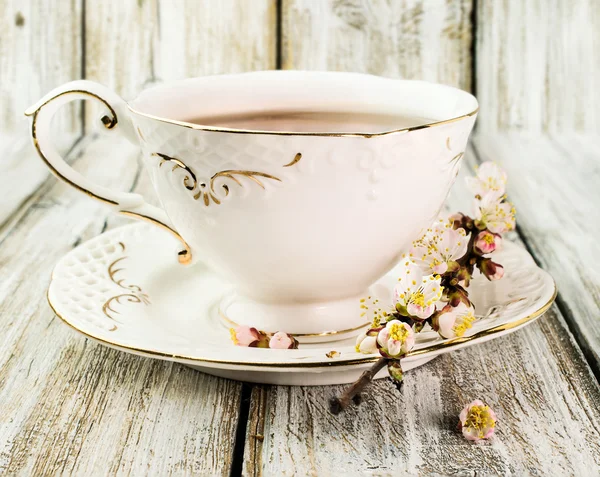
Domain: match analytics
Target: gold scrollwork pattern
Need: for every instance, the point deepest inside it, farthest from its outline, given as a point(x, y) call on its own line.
point(206, 191)
point(295, 160)
point(134, 292)
point(457, 158)
point(189, 179)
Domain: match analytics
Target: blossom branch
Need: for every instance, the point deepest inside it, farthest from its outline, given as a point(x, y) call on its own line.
point(434, 277)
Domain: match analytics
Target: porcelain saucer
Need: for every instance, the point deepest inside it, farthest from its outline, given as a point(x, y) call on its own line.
point(125, 290)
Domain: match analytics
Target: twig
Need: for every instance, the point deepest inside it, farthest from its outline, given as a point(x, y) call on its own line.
point(338, 404)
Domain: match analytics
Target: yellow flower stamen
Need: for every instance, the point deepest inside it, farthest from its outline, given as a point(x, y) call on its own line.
point(417, 298)
point(398, 332)
point(463, 324)
point(233, 336)
point(479, 419)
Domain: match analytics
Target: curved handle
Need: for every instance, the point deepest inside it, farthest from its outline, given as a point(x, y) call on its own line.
point(127, 203)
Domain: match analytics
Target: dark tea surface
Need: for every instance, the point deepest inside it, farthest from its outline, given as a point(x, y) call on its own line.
point(312, 121)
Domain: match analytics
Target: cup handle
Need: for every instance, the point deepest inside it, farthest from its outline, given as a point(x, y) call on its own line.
point(126, 203)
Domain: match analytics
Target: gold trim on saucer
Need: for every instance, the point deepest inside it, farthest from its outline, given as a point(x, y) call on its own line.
point(301, 335)
point(350, 362)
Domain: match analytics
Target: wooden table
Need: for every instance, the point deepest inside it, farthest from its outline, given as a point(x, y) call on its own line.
point(69, 405)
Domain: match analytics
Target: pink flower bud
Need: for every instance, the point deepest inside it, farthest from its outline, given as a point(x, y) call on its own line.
point(486, 242)
point(492, 270)
point(366, 342)
point(498, 241)
point(498, 274)
point(457, 220)
point(243, 335)
point(477, 421)
point(281, 340)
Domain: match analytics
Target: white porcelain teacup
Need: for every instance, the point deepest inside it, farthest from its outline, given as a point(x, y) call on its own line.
point(301, 222)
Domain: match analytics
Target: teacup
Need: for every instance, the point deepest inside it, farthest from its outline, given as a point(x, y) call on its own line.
point(302, 223)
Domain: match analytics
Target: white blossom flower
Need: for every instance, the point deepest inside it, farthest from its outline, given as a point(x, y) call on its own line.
point(396, 339)
point(490, 180)
point(477, 421)
point(415, 294)
point(452, 322)
point(366, 342)
point(498, 216)
point(440, 246)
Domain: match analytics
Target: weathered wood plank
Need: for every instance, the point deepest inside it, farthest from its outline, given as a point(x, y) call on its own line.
point(412, 39)
point(537, 67)
point(207, 37)
point(537, 380)
point(120, 42)
point(24, 176)
point(554, 186)
point(72, 406)
point(40, 49)
point(133, 44)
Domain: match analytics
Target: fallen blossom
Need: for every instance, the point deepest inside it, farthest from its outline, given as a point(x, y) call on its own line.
point(477, 421)
point(282, 340)
point(243, 335)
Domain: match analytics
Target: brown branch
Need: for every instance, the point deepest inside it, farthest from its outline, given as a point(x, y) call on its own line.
point(338, 404)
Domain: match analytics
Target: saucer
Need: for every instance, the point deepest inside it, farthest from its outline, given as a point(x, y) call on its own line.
point(125, 290)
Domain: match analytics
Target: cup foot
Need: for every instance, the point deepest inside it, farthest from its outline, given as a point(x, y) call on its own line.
point(308, 322)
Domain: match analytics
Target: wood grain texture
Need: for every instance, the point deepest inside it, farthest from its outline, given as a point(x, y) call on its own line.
point(537, 380)
point(40, 48)
point(207, 37)
point(131, 45)
point(537, 65)
point(412, 39)
point(120, 42)
point(23, 176)
point(71, 406)
point(554, 186)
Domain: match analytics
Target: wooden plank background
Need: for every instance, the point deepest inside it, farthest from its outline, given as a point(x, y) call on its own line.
point(78, 408)
point(533, 64)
